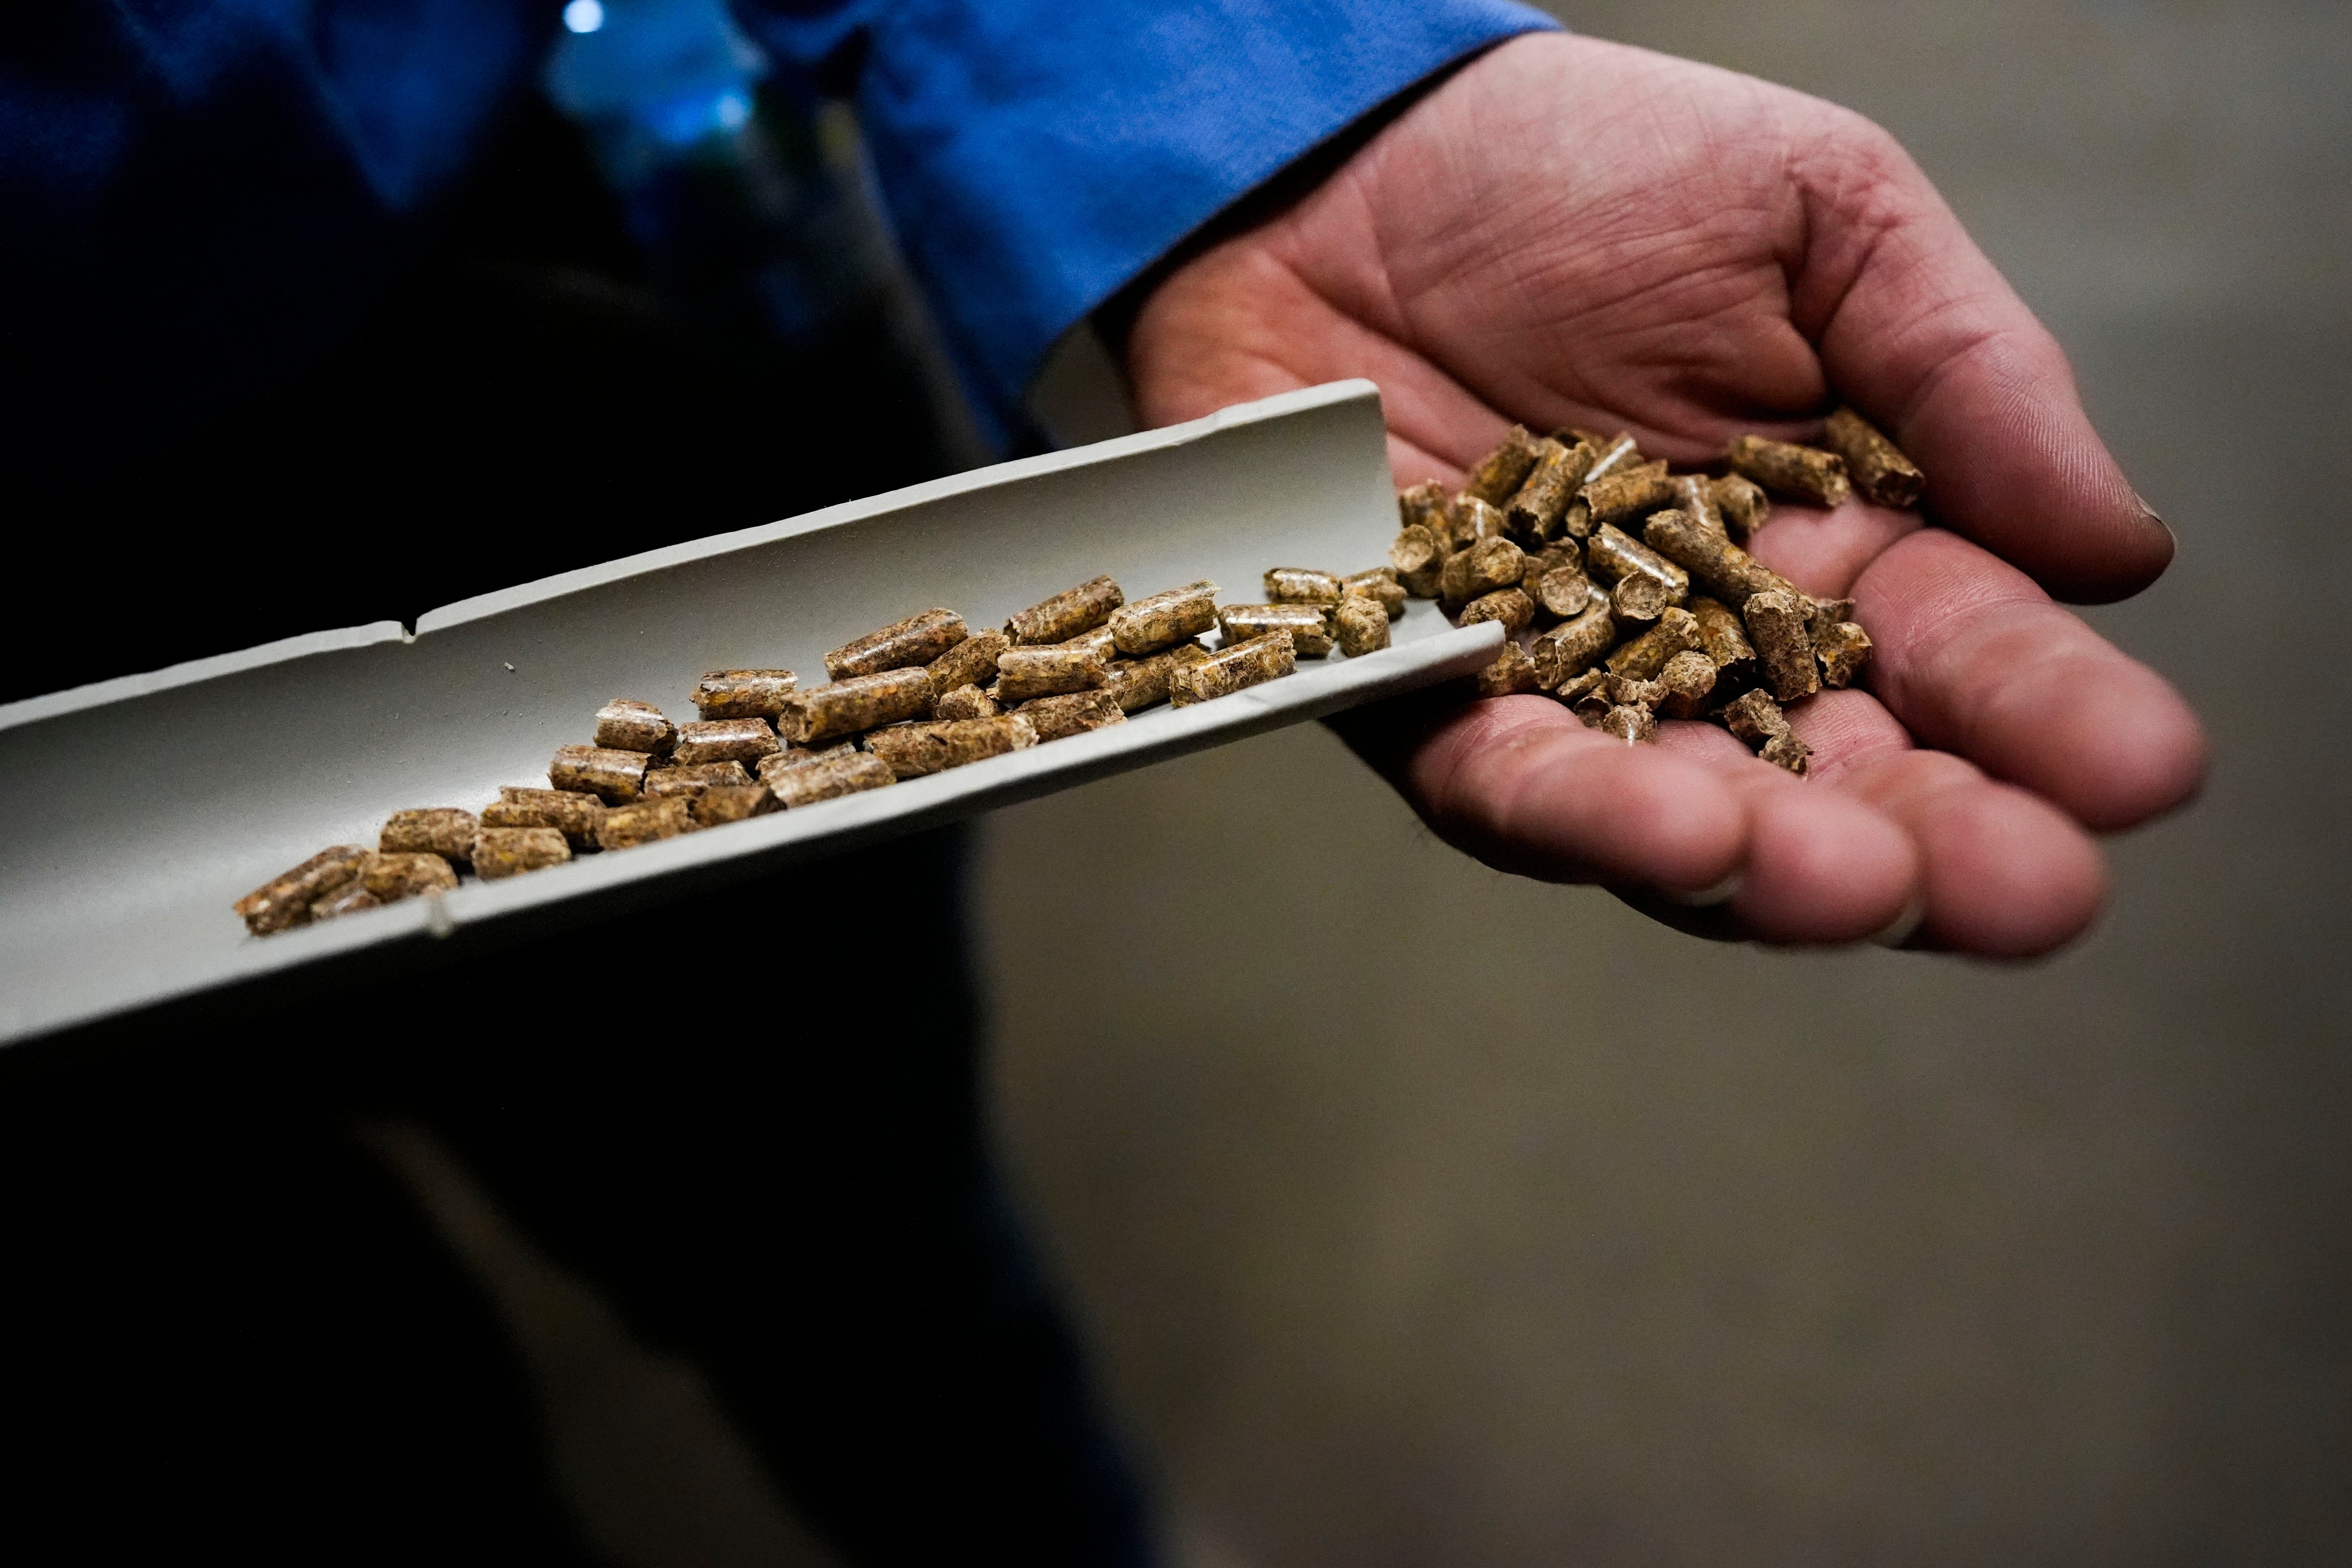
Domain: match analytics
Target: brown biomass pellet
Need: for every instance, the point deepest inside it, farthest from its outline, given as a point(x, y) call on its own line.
point(613, 777)
point(1743, 503)
point(1380, 586)
point(1058, 718)
point(1473, 522)
point(972, 662)
point(917, 639)
point(574, 814)
point(1141, 683)
point(1503, 470)
point(1790, 752)
point(1147, 625)
point(723, 803)
point(1630, 725)
point(502, 852)
point(1310, 626)
point(1617, 454)
point(285, 899)
point(626, 826)
point(1302, 585)
point(1097, 641)
point(1875, 465)
point(1805, 473)
point(727, 741)
point(967, 702)
point(1512, 674)
point(1419, 558)
point(1611, 555)
point(1230, 669)
point(1637, 602)
point(693, 780)
point(1694, 495)
point(1592, 706)
point(1689, 681)
point(1510, 606)
point(1843, 648)
point(1621, 497)
point(1775, 625)
point(626, 724)
point(1676, 632)
point(348, 899)
point(1623, 692)
point(1722, 637)
point(1561, 553)
point(441, 831)
point(1479, 571)
point(1565, 593)
point(1022, 673)
point(1755, 718)
point(392, 877)
point(913, 750)
point(861, 702)
point(1068, 612)
point(1360, 625)
point(742, 693)
point(1573, 647)
point(1593, 682)
point(1536, 513)
point(802, 756)
point(1423, 506)
point(1714, 563)
point(1821, 615)
point(829, 778)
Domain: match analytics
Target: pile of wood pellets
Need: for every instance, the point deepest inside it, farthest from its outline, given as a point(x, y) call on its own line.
point(1622, 585)
point(921, 697)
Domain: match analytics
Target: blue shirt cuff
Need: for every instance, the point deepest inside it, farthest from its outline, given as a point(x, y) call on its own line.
point(1037, 154)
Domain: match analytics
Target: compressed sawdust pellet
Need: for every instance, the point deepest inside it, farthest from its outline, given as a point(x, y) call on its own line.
point(1744, 506)
point(1875, 465)
point(914, 751)
point(1478, 571)
point(1722, 637)
point(1418, 556)
point(723, 803)
point(1537, 511)
point(1644, 656)
point(348, 899)
point(1804, 473)
point(284, 902)
point(1067, 614)
point(1790, 752)
point(1843, 648)
point(1473, 522)
point(1611, 555)
point(626, 724)
point(1573, 647)
point(1022, 673)
point(613, 777)
point(1754, 718)
point(829, 778)
point(800, 756)
point(917, 639)
point(1308, 624)
point(1621, 497)
point(1784, 653)
point(1591, 706)
point(626, 826)
point(1593, 682)
point(1617, 454)
point(1163, 620)
point(1380, 586)
point(1629, 724)
point(967, 702)
point(742, 693)
point(847, 707)
point(1821, 615)
point(1230, 669)
point(502, 852)
point(1360, 625)
point(1714, 563)
point(1689, 681)
point(693, 780)
point(1510, 608)
point(1565, 593)
point(392, 877)
point(1637, 602)
point(1694, 496)
point(972, 662)
point(1423, 506)
point(1501, 472)
point(1059, 718)
point(569, 812)
point(727, 741)
point(442, 830)
point(1138, 683)
point(1626, 692)
point(1511, 674)
point(1302, 585)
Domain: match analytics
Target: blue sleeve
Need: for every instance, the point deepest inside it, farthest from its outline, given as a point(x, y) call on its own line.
point(1037, 154)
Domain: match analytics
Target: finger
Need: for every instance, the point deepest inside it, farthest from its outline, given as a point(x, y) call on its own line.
point(1974, 660)
point(2004, 875)
point(1922, 333)
point(1521, 784)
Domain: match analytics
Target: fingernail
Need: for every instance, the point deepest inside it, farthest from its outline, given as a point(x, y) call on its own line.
point(2154, 516)
point(1903, 927)
point(1723, 892)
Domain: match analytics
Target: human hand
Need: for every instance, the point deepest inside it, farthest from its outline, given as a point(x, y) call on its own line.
point(1572, 232)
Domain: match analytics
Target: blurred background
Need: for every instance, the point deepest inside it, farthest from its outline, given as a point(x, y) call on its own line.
point(1398, 1245)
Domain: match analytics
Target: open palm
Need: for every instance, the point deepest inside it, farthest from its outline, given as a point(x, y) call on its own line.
point(1571, 232)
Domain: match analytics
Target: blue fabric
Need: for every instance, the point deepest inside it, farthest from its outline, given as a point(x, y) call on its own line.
point(197, 195)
